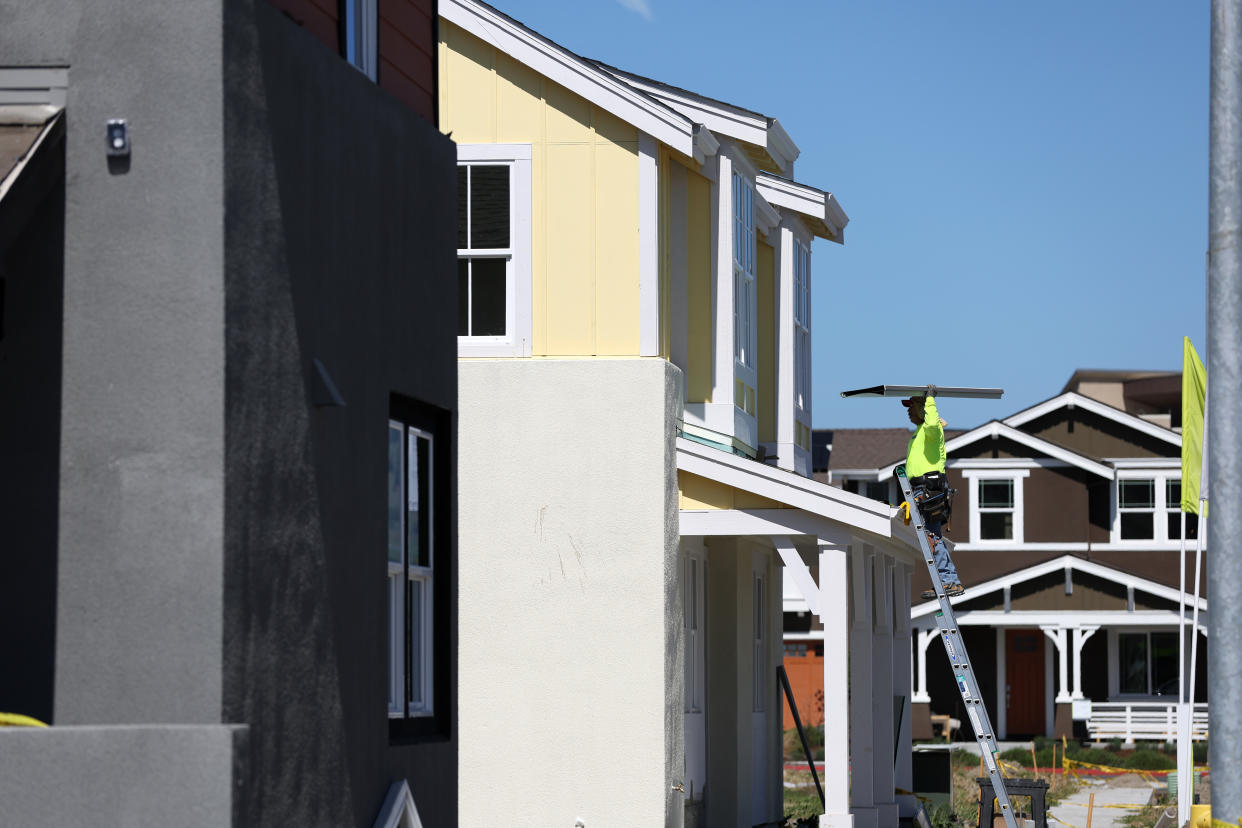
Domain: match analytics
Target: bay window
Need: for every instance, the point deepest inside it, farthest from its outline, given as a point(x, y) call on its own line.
point(745, 310)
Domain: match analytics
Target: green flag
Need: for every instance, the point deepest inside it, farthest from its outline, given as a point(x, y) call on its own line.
point(1194, 390)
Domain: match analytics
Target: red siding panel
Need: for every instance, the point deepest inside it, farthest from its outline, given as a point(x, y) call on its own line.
point(316, 16)
point(406, 91)
point(413, 23)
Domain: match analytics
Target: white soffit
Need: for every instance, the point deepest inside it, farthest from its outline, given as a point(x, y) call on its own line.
point(1072, 399)
point(722, 118)
point(996, 429)
point(785, 487)
point(821, 209)
point(574, 73)
point(1059, 565)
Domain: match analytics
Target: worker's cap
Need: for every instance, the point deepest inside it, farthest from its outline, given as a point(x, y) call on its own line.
point(913, 401)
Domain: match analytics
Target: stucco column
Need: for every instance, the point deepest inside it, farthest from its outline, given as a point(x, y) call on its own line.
point(1081, 634)
point(926, 637)
point(862, 783)
point(834, 589)
point(1057, 636)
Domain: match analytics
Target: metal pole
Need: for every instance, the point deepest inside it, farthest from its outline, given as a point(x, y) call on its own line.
point(1224, 303)
point(1185, 754)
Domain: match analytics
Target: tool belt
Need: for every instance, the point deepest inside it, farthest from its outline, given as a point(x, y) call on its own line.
point(933, 496)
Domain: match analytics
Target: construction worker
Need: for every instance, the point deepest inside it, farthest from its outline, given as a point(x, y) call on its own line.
point(925, 459)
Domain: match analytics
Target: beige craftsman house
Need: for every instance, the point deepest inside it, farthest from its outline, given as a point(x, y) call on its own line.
point(1066, 531)
point(635, 275)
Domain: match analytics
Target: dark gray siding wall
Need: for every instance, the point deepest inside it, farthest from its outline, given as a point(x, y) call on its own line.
point(32, 226)
point(340, 246)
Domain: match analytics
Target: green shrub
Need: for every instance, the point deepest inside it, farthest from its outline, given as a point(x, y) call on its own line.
point(1096, 756)
point(1019, 756)
point(1200, 752)
point(1148, 759)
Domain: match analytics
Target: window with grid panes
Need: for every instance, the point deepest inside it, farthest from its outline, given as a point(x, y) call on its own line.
point(1136, 507)
point(802, 326)
point(419, 574)
point(996, 505)
point(1173, 510)
point(744, 257)
point(484, 251)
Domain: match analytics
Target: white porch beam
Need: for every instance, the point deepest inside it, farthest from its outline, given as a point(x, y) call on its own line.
point(763, 522)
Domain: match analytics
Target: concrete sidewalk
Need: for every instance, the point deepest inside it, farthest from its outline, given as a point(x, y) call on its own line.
point(1108, 811)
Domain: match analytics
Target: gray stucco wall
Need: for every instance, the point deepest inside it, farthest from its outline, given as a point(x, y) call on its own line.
point(340, 241)
point(135, 776)
point(139, 633)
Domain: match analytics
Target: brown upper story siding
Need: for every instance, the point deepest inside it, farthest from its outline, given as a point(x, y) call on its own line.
point(319, 17)
point(407, 47)
point(1094, 436)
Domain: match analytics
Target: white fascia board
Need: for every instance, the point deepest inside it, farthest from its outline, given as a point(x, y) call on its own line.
point(572, 72)
point(1145, 463)
point(785, 487)
point(997, 429)
point(804, 200)
point(48, 116)
point(1057, 565)
point(855, 474)
point(705, 144)
point(1072, 399)
point(767, 216)
point(725, 119)
point(780, 146)
point(1066, 618)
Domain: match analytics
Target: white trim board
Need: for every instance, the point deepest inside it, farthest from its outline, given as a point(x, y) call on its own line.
point(399, 810)
point(572, 72)
point(827, 219)
point(1055, 565)
point(648, 246)
point(1158, 619)
point(719, 117)
point(785, 487)
point(997, 429)
point(1072, 399)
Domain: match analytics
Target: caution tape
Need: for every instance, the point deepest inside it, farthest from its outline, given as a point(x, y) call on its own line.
point(18, 720)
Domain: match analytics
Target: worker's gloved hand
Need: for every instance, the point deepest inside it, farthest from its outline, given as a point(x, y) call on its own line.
point(931, 390)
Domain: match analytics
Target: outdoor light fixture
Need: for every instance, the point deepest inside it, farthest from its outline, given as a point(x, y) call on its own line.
point(118, 138)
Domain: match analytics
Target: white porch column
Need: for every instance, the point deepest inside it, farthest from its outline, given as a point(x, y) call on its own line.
point(926, 637)
point(722, 283)
point(834, 589)
point(903, 773)
point(785, 348)
point(862, 746)
point(883, 689)
point(1081, 634)
point(1057, 636)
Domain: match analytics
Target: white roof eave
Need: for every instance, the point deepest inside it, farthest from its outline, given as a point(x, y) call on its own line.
point(577, 75)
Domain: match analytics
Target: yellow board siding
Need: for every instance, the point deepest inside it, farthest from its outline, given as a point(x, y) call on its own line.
point(698, 288)
point(697, 493)
point(765, 365)
point(584, 182)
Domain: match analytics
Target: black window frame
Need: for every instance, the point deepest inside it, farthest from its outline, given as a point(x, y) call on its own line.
point(437, 726)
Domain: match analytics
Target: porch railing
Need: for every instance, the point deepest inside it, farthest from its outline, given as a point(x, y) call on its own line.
point(1142, 721)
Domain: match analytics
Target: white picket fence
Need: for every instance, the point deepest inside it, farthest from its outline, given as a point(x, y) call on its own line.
point(1142, 721)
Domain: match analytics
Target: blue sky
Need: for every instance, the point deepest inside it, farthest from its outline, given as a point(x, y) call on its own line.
point(1026, 182)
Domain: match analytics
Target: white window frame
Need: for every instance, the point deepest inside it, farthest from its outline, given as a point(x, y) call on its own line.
point(745, 288)
point(1160, 508)
point(361, 18)
point(802, 344)
point(694, 623)
point(400, 575)
point(516, 341)
point(1017, 476)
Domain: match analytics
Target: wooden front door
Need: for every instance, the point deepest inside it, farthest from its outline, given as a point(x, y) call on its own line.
point(1024, 683)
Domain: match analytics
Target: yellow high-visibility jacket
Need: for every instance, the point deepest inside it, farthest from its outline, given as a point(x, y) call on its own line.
point(926, 449)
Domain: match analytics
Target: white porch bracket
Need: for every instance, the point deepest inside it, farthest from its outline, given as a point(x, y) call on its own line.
point(1057, 636)
point(1081, 634)
point(799, 571)
point(926, 637)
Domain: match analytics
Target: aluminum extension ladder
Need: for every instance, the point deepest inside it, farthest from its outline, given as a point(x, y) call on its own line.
point(959, 660)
